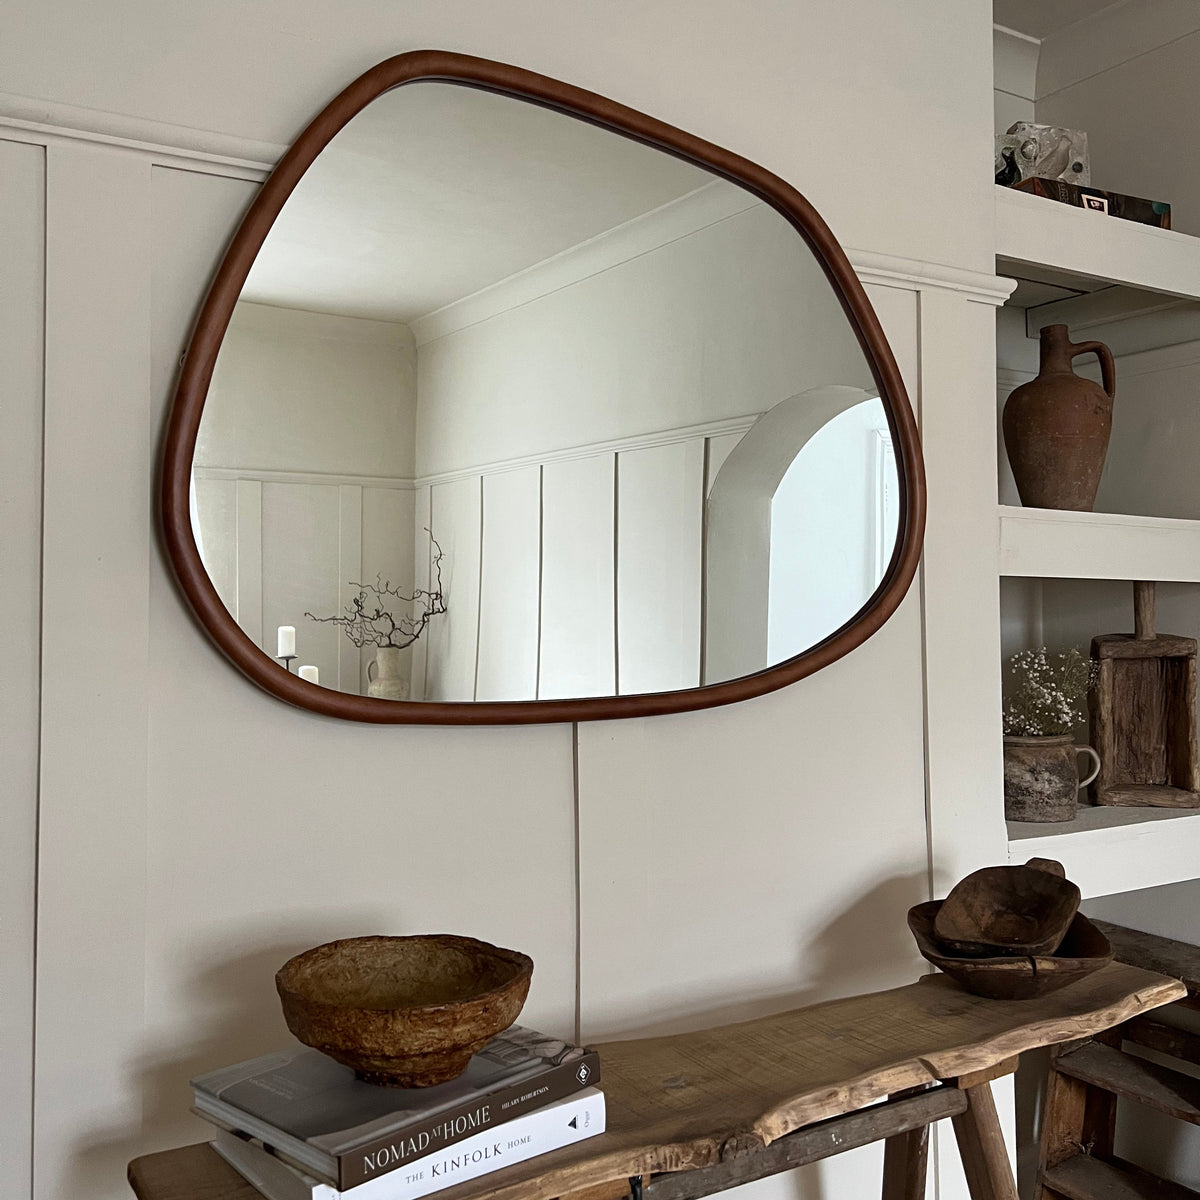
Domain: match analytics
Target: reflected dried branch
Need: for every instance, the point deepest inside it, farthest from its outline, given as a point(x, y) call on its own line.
point(367, 622)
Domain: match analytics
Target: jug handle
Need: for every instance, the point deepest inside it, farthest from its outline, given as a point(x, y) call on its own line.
point(1108, 369)
point(370, 677)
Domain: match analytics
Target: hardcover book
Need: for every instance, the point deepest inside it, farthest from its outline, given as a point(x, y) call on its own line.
point(1113, 204)
point(344, 1131)
point(550, 1128)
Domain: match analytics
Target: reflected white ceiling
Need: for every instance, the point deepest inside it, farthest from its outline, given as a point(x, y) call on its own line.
point(434, 192)
point(1041, 18)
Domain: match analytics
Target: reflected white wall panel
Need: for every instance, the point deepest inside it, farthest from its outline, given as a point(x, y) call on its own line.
point(388, 533)
point(216, 511)
point(509, 586)
point(578, 655)
point(453, 637)
point(660, 519)
point(719, 449)
point(301, 532)
point(248, 571)
point(422, 521)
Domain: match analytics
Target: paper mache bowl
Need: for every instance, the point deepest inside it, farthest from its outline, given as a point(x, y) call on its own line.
point(403, 1011)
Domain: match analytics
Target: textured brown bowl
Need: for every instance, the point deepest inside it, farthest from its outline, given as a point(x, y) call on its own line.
point(1084, 950)
point(403, 1011)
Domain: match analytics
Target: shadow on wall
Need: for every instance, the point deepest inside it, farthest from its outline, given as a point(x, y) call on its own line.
point(238, 1016)
point(865, 948)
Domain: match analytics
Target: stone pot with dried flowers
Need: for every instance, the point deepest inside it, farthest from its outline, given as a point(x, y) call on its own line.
point(1045, 703)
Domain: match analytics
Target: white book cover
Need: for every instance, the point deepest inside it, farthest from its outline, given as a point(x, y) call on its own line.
point(571, 1120)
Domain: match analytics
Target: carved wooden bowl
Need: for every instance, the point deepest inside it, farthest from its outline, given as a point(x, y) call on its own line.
point(1008, 911)
point(1084, 950)
point(403, 1011)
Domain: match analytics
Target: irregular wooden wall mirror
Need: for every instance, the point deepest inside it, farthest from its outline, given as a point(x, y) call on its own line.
point(562, 412)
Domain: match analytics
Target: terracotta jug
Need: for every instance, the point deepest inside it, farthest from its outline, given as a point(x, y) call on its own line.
point(1056, 427)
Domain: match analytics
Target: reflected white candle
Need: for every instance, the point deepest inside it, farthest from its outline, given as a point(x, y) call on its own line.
point(311, 674)
point(287, 641)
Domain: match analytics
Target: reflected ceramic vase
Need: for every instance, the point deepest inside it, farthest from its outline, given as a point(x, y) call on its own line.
point(1041, 777)
point(1056, 427)
point(388, 682)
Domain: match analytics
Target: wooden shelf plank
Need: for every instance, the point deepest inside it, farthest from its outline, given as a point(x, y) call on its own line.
point(1133, 1078)
point(1050, 543)
point(1154, 953)
point(1110, 850)
point(1043, 233)
point(1086, 1178)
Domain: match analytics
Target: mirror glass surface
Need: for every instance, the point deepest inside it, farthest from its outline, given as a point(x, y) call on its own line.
point(536, 412)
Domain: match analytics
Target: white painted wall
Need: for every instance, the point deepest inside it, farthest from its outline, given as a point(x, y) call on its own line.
point(307, 391)
point(723, 322)
point(193, 831)
point(1015, 81)
point(22, 336)
point(1086, 77)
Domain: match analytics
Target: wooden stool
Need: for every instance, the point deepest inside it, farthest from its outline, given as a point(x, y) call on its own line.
point(700, 1112)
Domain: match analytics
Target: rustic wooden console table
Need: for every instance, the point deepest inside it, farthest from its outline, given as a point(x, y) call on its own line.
point(697, 1113)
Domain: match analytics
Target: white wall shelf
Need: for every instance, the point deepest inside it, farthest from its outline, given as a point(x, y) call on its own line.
point(1109, 850)
point(1034, 232)
point(1055, 544)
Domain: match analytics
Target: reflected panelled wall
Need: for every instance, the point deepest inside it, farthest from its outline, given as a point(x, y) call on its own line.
point(556, 551)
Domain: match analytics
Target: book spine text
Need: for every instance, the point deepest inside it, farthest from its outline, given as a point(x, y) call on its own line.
point(392, 1152)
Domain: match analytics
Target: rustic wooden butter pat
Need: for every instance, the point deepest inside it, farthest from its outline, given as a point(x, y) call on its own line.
point(1143, 715)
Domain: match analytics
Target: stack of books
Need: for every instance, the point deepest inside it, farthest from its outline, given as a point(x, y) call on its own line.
point(299, 1126)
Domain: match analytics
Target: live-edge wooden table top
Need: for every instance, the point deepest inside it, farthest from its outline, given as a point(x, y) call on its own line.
point(674, 1102)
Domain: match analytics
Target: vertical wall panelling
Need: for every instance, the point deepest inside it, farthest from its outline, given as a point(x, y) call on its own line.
point(957, 583)
point(216, 511)
point(22, 249)
point(509, 585)
point(659, 526)
point(301, 532)
point(578, 618)
point(249, 561)
point(92, 865)
point(350, 564)
point(961, 606)
point(453, 636)
point(422, 521)
point(719, 449)
point(388, 532)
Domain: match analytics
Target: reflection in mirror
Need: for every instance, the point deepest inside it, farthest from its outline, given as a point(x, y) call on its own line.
point(537, 412)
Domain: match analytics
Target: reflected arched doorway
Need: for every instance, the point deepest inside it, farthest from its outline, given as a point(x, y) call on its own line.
point(801, 524)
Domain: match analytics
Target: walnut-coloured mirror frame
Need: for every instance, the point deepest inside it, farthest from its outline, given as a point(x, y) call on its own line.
point(218, 307)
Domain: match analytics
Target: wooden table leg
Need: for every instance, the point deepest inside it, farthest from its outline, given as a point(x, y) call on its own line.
point(906, 1164)
point(981, 1144)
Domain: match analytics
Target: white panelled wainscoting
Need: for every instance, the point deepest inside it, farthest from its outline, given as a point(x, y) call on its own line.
point(181, 833)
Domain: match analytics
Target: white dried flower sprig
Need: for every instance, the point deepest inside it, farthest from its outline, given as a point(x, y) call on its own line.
point(1048, 692)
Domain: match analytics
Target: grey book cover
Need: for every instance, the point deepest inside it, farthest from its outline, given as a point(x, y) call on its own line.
point(306, 1095)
